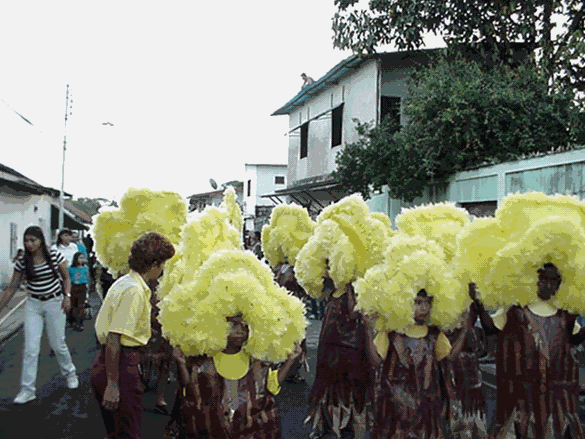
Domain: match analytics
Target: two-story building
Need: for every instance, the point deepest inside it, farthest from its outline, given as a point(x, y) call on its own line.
point(198, 202)
point(260, 179)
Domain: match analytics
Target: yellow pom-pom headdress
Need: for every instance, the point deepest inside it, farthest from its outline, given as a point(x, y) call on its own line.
point(439, 222)
point(141, 211)
point(232, 209)
point(513, 276)
point(193, 315)
point(288, 231)
point(348, 238)
point(390, 289)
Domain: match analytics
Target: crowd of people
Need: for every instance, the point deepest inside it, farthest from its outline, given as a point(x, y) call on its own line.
point(398, 351)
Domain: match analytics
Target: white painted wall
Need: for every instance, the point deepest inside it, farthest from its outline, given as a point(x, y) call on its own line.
point(19, 208)
point(262, 182)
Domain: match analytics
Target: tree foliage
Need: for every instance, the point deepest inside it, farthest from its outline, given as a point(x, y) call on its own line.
point(552, 30)
point(459, 114)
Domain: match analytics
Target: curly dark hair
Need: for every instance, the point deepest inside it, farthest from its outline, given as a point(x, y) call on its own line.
point(150, 248)
point(549, 266)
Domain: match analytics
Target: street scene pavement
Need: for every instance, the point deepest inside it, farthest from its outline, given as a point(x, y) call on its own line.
point(69, 414)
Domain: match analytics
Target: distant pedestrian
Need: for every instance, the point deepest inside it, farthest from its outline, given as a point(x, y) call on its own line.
point(78, 272)
point(19, 255)
point(308, 80)
point(80, 245)
point(48, 302)
point(88, 242)
point(123, 327)
point(257, 247)
point(66, 246)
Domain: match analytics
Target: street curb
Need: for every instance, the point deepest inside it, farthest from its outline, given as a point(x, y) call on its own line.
point(11, 334)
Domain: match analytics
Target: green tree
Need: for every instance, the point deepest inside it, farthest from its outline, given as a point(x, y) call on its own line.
point(553, 31)
point(459, 114)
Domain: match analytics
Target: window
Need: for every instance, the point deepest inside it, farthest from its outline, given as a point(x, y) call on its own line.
point(336, 126)
point(279, 179)
point(304, 139)
point(13, 239)
point(390, 107)
point(249, 187)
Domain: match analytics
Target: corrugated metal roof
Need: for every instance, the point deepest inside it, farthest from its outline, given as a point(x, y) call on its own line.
point(333, 76)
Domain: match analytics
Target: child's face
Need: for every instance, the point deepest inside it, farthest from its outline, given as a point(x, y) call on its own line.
point(548, 284)
point(422, 309)
point(239, 331)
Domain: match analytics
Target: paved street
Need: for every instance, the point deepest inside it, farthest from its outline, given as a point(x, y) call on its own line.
point(69, 414)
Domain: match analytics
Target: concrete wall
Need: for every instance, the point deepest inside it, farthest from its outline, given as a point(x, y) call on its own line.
point(262, 182)
point(23, 210)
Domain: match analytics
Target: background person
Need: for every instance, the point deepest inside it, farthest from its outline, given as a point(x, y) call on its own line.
point(46, 304)
point(66, 246)
point(78, 272)
point(123, 327)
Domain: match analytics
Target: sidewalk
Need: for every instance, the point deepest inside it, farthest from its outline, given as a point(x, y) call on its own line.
point(13, 323)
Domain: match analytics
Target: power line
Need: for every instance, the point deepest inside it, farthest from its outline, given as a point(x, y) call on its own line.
point(20, 115)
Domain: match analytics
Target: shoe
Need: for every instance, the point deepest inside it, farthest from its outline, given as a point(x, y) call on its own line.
point(161, 409)
point(72, 382)
point(24, 396)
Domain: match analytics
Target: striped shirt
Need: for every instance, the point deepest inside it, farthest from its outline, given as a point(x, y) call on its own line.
point(43, 281)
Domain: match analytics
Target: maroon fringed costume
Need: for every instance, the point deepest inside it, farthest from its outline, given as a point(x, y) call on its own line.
point(468, 404)
point(202, 410)
point(537, 379)
point(343, 386)
point(412, 400)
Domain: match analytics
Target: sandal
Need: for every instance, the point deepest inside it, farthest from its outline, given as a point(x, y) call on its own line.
point(161, 409)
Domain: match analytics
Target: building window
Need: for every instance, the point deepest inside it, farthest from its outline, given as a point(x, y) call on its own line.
point(336, 126)
point(279, 179)
point(249, 187)
point(304, 139)
point(13, 240)
point(390, 107)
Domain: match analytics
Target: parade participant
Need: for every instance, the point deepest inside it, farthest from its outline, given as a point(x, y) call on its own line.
point(232, 322)
point(47, 303)
point(66, 246)
point(411, 299)
point(282, 238)
point(78, 272)
point(122, 327)
point(347, 241)
point(536, 281)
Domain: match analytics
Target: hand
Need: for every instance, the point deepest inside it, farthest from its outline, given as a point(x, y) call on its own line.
point(298, 351)
point(66, 305)
point(178, 354)
point(472, 291)
point(111, 397)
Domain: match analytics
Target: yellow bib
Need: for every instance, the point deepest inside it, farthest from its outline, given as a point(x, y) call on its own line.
point(232, 366)
point(417, 331)
point(543, 309)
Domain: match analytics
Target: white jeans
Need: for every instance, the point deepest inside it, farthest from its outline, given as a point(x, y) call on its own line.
point(36, 314)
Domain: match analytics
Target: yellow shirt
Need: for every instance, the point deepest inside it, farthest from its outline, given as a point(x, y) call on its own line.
point(442, 346)
point(540, 308)
point(126, 311)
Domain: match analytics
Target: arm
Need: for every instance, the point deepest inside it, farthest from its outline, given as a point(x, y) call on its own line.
point(184, 378)
point(285, 368)
point(112, 392)
point(11, 289)
point(66, 287)
point(486, 321)
point(371, 351)
point(458, 344)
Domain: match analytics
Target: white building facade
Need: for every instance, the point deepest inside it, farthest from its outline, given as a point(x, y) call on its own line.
point(260, 179)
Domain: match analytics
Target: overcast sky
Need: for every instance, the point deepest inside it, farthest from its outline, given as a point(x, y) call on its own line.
point(189, 87)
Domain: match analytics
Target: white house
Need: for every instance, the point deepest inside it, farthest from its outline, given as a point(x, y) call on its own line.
point(23, 203)
point(198, 202)
point(259, 180)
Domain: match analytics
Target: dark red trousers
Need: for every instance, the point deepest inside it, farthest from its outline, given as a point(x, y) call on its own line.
point(126, 420)
point(78, 296)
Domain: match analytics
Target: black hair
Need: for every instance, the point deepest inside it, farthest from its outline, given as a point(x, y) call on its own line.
point(75, 260)
point(257, 234)
point(552, 267)
point(37, 232)
point(422, 293)
point(61, 233)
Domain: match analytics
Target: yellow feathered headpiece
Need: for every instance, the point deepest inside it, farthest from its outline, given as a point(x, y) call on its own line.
point(193, 315)
point(206, 233)
point(440, 222)
point(141, 211)
point(288, 231)
point(232, 209)
point(349, 238)
point(513, 275)
point(390, 289)
point(477, 245)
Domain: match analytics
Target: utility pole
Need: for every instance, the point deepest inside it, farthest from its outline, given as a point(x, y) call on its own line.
point(61, 194)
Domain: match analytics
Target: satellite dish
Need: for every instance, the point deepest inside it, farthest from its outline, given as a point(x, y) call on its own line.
point(213, 183)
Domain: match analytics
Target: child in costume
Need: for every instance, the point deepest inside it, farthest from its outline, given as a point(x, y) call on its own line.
point(282, 238)
point(347, 241)
point(537, 375)
point(406, 299)
point(232, 322)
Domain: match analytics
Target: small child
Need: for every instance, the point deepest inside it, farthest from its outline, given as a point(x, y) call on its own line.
point(78, 272)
